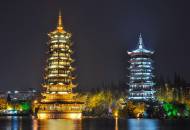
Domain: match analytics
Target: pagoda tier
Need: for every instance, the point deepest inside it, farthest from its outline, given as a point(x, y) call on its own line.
point(57, 100)
point(59, 87)
point(58, 96)
point(59, 70)
point(141, 85)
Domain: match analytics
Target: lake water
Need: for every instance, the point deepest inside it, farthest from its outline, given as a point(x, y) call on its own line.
point(25, 123)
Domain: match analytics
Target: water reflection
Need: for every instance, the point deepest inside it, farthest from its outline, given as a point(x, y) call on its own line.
point(15, 123)
point(116, 124)
point(35, 124)
point(27, 123)
point(57, 124)
point(11, 123)
point(143, 124)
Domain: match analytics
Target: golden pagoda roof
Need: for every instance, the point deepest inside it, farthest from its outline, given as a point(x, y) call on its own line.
point(60, 28)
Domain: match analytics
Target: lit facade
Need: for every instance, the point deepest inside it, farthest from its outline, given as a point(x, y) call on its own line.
point(141, 85)
point(58, 100)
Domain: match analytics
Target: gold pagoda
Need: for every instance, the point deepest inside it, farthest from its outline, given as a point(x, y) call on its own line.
point(57, 99)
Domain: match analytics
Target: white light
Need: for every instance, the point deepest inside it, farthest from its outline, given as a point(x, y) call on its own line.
point(16, 91)
point(62, 92)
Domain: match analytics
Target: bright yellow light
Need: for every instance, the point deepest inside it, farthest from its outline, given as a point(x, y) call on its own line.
point(75, 116)
point(35, 101)
point(116, 114)
point(9, 108)
point(138, 115)
point(42, 116)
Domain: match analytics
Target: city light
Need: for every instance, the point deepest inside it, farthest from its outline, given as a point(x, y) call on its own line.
point(42, 116)
point(75, 116)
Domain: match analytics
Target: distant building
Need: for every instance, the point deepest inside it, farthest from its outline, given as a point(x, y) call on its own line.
point(187, 93)
point(22, 95)
point(141, 85)
point(19, 95)
point(3, 95)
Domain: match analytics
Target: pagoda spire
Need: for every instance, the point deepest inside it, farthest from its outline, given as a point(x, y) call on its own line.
point(60, 24)
point(140, 42)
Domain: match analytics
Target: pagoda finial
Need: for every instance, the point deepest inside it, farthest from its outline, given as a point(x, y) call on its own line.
point(140, 44)
point(60, 24)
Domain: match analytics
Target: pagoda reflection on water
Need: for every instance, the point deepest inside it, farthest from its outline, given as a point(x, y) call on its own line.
point(57, 99)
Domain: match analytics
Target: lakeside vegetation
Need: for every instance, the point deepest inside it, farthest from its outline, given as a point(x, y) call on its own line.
point(110, 102)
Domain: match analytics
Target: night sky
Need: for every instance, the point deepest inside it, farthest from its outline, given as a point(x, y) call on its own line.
point(103, 30)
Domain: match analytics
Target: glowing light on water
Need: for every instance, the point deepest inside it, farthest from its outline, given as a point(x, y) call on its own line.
point(116, 124)
point(143, 124)
point(64, 116)
point(58, 124)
